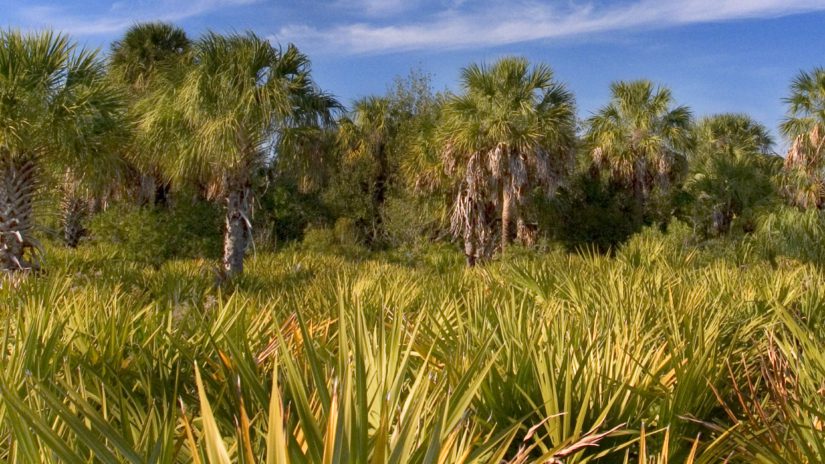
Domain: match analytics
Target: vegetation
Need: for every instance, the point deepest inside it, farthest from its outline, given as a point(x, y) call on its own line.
point(431, 277)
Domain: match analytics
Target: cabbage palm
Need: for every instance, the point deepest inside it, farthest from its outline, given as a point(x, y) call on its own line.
point(511, 130)
point(224, 118)
point(804, 173)
point(639, 137)
point(55, 108)
point(145, 51)
point(730, 172)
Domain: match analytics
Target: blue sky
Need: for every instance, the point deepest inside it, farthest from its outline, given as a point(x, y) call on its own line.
point(716, 55)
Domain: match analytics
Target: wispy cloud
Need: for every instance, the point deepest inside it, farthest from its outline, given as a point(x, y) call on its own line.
point(119, 16)
point(466, 25)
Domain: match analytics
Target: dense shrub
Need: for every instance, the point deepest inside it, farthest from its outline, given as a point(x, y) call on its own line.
point(590, 213)
point(284, 213)
point(187, 229)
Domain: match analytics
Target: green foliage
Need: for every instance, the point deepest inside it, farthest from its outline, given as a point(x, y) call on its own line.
point(590, 213)
point(792, 234)
point(731, 175)
point(188, 229)
point(286, 212)
point(413, 220)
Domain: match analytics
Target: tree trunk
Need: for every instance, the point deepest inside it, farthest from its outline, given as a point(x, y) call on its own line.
point(238, 228)
point(74, 213)
point(470, 245)
point(506, 213)
point(522, 233)
point(148, 190)
point(73, 210)
point(17, 189)
point(162, 194)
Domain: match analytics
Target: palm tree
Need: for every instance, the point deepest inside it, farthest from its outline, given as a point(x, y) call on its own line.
point(224, 119)
point(730, 172)
point(639, 137)
point(146, 52)
point(804, 172)
point(56, 103)
point(511, 130)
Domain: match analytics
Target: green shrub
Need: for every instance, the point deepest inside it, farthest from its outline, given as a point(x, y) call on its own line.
point(284, 213)
point(590, 213)
point(153, 236)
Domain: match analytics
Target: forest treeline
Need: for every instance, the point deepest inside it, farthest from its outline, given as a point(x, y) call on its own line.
point(174, 146)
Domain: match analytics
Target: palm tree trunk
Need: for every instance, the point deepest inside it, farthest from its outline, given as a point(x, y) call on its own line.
point(148, 190)
point(470, 246)
point(506, 213)
point(74, 213)
point(17, 188)
point(238, 228)
point(73, 210)
point(522, 232)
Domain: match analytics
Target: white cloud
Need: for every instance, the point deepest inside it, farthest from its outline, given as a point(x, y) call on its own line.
point(378, 8)
point(503, 23)
point(119, 16)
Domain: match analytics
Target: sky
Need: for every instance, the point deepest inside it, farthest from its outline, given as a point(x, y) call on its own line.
point(716, 55)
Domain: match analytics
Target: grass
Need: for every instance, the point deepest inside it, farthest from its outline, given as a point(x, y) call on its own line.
point(666, 352)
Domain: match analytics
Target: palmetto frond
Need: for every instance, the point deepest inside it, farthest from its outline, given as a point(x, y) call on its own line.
point(730, 173)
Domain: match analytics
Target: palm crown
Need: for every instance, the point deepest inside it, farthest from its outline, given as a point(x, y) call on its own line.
point(639, 135)
point(511, 129)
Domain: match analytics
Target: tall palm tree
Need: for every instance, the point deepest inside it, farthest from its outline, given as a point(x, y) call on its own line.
point(730, 172)
point(225, 118)
point(137, 61)
point(511, 130)
point(639, 137)
point(55, 104)
point(804, 173)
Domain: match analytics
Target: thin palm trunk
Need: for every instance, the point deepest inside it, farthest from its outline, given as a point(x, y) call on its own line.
point(506, 213)
point(470, 245)
point(74, 214)
point(148, 189)
point(17, 188)
point(238, 228)
point(73, 210)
